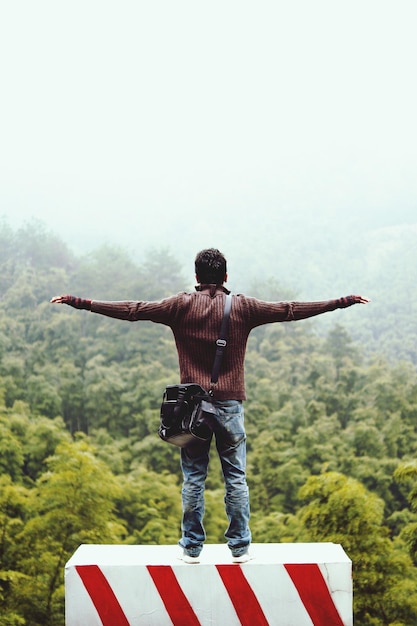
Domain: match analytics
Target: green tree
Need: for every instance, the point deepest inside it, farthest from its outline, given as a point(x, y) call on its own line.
point(407, 473)
point(13, 513)
point(11, 452)
point(341, 510)
point(104, 385)
point(73, 503)
point(150, 505)
point(275, 474)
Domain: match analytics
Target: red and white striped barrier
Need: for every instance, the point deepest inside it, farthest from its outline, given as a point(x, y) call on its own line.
point(283, 585)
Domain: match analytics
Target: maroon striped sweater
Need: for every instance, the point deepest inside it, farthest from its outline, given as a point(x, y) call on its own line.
point(195, 320)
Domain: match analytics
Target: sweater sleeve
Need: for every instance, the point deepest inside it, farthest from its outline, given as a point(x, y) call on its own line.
point(162, 312)
point(304, 310)
point(261, 312)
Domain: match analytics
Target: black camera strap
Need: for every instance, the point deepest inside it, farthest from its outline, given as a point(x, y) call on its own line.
point(221, 342)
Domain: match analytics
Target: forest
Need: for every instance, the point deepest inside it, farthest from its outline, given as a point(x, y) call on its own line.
point(331, 418)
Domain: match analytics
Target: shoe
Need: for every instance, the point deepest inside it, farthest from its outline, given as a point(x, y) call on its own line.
point(189, 559)
point(242, 558)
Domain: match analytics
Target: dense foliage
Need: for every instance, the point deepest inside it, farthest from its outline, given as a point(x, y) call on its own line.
point(332, 434)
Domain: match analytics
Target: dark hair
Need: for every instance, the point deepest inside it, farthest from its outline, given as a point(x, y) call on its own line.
point(210, 266)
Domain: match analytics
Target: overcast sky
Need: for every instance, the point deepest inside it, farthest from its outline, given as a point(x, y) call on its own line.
point(121, 120)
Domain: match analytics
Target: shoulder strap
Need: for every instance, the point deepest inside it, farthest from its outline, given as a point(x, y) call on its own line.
point(221, 341)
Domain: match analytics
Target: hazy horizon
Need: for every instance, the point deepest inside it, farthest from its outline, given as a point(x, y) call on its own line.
point(166, 124)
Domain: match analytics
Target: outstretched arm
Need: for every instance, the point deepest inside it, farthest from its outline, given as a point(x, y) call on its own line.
point(291, 311)
point(161, 312)
point(303, 310)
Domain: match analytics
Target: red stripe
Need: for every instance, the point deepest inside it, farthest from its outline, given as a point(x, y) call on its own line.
point(245, 602)
point(314, 593)
point(176, 603)
point(102, 595)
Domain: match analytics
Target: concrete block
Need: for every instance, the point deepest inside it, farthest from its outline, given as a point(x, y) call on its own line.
point(283, 585)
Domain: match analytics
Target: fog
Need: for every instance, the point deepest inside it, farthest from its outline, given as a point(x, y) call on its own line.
point(186, 124)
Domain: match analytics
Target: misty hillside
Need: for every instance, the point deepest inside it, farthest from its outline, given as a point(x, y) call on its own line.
point(278, 260)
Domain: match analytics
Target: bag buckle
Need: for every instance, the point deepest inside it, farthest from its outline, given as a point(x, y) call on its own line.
point(222, 343)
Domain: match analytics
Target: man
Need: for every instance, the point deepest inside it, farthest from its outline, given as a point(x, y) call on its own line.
point(195, 319)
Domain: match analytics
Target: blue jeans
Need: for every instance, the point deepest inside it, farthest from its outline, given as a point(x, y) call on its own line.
point(229, 431)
